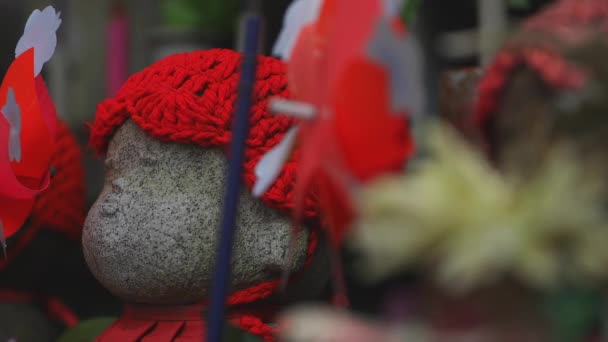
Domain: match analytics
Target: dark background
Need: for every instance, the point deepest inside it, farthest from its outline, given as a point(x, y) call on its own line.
point(76, 75)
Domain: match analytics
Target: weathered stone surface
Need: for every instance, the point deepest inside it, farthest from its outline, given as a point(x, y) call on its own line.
point(151, 235)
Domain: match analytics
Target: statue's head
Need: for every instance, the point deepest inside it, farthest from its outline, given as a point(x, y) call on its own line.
point(151, 235)
point(548, 86)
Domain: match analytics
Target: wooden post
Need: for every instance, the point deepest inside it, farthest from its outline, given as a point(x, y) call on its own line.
point(493, 25)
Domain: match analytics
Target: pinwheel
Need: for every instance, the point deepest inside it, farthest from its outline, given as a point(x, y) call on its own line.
point(355, 79)
point(27, 122)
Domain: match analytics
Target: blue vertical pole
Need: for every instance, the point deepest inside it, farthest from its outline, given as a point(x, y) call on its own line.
point(221, 278)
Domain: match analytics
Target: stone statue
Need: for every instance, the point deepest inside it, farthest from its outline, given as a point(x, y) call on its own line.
point(44, 281)
point(151, 236)
point(548, 86)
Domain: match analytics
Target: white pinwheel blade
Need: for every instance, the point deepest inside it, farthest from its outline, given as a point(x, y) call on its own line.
point(270, 165)
point(40, 34)
point(299, 14)
point(297, 109)
point(392, 8)
point(12, 114)
point(401, 57)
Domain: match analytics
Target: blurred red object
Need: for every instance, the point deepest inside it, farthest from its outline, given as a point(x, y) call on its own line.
point(35, 123)
point(355, 135)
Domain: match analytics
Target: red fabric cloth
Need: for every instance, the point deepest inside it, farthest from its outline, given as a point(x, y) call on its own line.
point(190, 98)
point(150, 323)
point(146, 323)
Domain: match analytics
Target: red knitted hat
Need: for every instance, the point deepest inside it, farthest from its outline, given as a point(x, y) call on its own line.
point(190, 98)
point(566, 22)
point(61, 207)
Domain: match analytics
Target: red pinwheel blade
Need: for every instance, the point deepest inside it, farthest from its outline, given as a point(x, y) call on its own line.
point(36, 140)
point(335, 199)
point(307, 170)
point(329, 68)
point(304, 69)
point(32, 109)
point(25, 178)
point(316, 135)
point(352, 24)
point(13, 211)
point(322, 164)
point(373, 140)
point(13, 214)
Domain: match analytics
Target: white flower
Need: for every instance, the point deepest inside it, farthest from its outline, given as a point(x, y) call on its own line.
point(467, 225)
point(40, 34)
point(325, 324)
point(299, 14)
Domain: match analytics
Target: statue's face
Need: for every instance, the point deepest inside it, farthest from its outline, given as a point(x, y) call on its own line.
point(151, 235)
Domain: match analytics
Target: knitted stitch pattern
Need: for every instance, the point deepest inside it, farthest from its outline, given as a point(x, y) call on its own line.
point(61, 207)
point(565, 22)
point(190, 98)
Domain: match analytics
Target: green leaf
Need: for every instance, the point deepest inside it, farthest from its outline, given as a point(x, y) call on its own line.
point(410, 10)
point(216, 16)
point(87, 331)
point(573, 313)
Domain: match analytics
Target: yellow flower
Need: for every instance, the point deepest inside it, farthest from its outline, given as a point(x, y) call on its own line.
point(473, 225)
